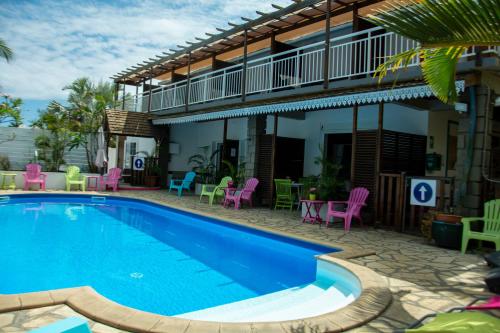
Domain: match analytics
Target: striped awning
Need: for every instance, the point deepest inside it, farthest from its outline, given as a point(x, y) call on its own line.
point(388, 95)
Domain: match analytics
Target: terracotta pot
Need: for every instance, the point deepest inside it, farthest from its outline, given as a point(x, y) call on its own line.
point(448, 218)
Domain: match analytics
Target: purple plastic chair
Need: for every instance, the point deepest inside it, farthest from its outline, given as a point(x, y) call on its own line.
point(238, 196)
point(111, 179)
point(34, 176)
point(357, 199)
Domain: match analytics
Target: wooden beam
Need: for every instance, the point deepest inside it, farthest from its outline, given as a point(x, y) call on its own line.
point(354, 141)
point(326, 59)
point(188, 84)
point(378, 154)
point(355, 18)
point(244, 67)
point(150, 88)
point(123, 97)
point(273, 159)
point(224, 141)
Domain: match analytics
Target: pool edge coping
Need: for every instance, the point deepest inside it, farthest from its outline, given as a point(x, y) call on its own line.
point(374, 298)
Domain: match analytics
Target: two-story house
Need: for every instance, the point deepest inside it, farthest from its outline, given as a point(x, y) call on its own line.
point(281, 89)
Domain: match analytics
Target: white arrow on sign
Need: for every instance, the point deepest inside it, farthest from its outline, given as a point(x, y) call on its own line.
point(422, 193)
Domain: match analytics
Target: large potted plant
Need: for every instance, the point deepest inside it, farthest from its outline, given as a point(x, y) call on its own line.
point(204, 166)
point(328, 185)
point(153, 176)
point(237, 173)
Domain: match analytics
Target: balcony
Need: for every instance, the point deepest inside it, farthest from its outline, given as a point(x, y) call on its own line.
point(350, 56)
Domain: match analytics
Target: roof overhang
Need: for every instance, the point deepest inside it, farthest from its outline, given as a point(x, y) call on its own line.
point(387, 95)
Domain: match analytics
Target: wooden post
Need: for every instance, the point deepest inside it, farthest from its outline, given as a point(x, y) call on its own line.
point(354, 138)
point(150, 88)
point(117, 88)
point(244, 68)
point(188, 84)
point(123, 97)
point(355, 18)
point(137, 99)
point(224, 141)
point(378, 154)
point(164, 154)
point(273, 159)
point(326, 59)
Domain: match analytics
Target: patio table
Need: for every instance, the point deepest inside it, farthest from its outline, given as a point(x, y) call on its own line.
point(90, 186)
point(317, 204)
point(8, 180)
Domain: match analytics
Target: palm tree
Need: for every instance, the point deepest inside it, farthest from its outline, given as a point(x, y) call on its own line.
point(5, 51)
point(445, 29)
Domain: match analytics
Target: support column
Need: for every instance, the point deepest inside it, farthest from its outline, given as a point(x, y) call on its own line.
point(244, 67)
point(136, 107)
point(326, 59)
point(123, 97)
point(120, 153)
point(256, 126)
point(224, 141)
point(378, 154)
point(150, 88)
point(163, 142)
point(354, 138)
point(115, 99)
point(273, 159)
point(472, 130)
point(188, 84)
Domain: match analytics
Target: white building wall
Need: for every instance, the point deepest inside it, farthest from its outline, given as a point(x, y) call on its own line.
point(192, 137)
point(313, 128)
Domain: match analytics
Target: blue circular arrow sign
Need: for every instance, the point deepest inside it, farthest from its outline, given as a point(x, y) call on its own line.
point(138, 163)
point(422, 192)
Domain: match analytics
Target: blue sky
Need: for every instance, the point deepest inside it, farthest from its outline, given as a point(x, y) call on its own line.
point(56, 42)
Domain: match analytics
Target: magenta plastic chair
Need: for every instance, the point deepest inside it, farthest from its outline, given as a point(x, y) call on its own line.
point(356, 201)
point(34, 176)
point(238, 196)
point(111, 179)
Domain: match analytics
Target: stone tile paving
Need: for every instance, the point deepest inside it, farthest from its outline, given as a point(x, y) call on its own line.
point(423, 278)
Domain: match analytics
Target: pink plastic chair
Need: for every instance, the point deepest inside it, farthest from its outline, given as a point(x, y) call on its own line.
point(111, 179)
point(34, 175)
point(357, 199)
point(238, 196)
point(492, 304)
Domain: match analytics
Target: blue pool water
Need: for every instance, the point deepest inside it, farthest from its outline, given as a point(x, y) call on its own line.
point(143, 255)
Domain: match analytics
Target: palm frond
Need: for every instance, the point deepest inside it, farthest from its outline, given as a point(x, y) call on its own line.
point(396, 62)
point(5, 51)
point(443, 23)
point(438, 68)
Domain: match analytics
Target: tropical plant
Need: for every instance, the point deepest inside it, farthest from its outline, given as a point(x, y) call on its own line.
point(204, 165)
point(237, 173)
point(4, 162)
point(52, 147)
point(10, 111)
point(444, 30)
point(5, 51)
point(87, 104)
point(329, 184)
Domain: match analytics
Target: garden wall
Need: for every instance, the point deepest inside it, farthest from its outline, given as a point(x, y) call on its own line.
point(18, 144)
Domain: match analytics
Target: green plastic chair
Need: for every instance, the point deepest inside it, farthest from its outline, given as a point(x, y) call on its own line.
point(73, 177)
point(461, 322)
point(284, 198)
point(491, 226)
point(212, 191)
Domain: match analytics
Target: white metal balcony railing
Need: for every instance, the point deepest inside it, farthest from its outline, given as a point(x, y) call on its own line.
point(355, 54)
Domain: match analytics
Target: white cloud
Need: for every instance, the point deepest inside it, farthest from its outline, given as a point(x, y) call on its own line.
point(57, 41)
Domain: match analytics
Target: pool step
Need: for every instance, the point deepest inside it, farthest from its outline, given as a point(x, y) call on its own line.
point(299, 302)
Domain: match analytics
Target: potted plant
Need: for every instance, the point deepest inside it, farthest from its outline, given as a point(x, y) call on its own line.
point(312, 193)
point(204, 166)
point(236, 173)
point(153, 176)
point(447, 230)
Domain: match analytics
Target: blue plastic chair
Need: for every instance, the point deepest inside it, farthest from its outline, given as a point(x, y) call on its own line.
point(180, 184)
point(68, 325)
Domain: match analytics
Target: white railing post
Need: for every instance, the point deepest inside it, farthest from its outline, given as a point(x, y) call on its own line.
point(161, 96)
point(205, 83)
point(297, 68)
point(369, 52)
point(175, 96)
point(271, 73)
point(224, 84)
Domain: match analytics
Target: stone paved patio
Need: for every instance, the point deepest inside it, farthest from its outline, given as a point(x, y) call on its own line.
point(423, 278)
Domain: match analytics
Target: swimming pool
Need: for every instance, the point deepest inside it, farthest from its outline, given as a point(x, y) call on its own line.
point(146, 256)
